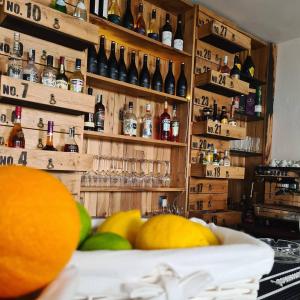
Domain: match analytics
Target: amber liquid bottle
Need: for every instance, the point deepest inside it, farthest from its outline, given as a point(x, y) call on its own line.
point(49, 144)
point(165, 124)
point(140, 23)
point(16, 138)
point(71, 145)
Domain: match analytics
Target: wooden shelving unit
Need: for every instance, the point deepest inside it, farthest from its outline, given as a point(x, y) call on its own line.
point(217, 172)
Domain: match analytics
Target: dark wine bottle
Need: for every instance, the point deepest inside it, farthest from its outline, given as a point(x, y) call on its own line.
point(178, 38)
point(166, 37)
point(248, 66)
point(236, 70)
point(170, 80)
point(112, 64)
point(132, 71)
point(157, 80)
point(102, 59)
point(140, 22)
point(92, 66)
point(181, 88)
point(99, 8)
point(99, 114)
point(144, 78)
point(128, 21)
point(122, 70)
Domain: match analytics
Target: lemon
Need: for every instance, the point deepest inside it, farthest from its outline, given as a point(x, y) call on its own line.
point(170, 231)
point(125, 224)
point(105, 241)
point(85, 223)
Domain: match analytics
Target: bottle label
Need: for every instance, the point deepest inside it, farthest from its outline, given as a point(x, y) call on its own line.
point(166, 125)
point(130, 127)
point(76, 85)
point(89, 124)
point(178, 44)
point(99, 120)
point(33, 77)
point(258, 108)
point(61, 84)
point(251, 71)
point(147, 129)
point(49, 81)
point(175, 129)
point(105, 9)
point(167, 38)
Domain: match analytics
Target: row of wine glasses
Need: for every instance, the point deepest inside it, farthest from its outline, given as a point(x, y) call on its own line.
point(127, 172)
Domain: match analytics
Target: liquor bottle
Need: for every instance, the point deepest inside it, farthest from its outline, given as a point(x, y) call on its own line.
point(215, 112)
point(170, 80)
point(167, 32)
point(130, 122)
point(248, 66)
point(226, 159)
point(15, 69)
point(16, 138)
point(174, 125)
point(147, 123)
point(122, 70)
point(181, 89)
point(102, 59)
point(209, 155)
point(114, 13)
point(225, 70)
point(60, 5)
point(178, 37)
point(128, 21)
point(49, 143)
point(71, 145)
point(112, 64)
point(216, 159)
point(80, 11)
point(30, 72)
point(232, 120)
point(99, 8)
point(258, 102)
point(140, 22)
point(165, 124)
point(89, 123)
point(77, 79)
point(92, 66)
point(61, 78)
point(132, 76)
point(99, 114)
point(250, 104)
point(153, 31)
point(236, 70)
point(223, 116)
point(49, 73)
point(157, 80)
point(144, 78)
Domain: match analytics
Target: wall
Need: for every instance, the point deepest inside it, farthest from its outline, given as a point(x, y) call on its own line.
point(286, 121)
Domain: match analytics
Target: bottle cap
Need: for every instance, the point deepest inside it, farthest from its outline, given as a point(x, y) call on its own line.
point(78, 63)
point(130, 104)
point(90, 91)
point(50, 126)
point(49, 60)
point(225, 59)
point(18, 111)
point(62, 60)
point(99, 98)
point(148, 107)
point(31, 54)
point(153, 13)
point(72, 131)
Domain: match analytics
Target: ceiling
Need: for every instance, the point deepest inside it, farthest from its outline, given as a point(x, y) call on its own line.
point(272, 20)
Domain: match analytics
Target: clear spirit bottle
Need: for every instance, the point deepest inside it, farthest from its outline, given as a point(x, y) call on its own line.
point(30, 72)
point(147, 123)
point(15, 69)
point(80, 11)
point(175, 125)
point(77, 79)
point(71, 145)
point(49, 73)
point(226, 159)
point(130, 122)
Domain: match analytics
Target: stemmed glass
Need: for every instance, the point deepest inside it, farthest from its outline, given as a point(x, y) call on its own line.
point(166, 180)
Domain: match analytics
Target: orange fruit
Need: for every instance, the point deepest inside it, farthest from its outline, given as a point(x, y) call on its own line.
point(39, 229)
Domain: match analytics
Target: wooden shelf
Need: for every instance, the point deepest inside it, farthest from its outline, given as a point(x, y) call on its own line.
point(253, 82)
point(176, 7)
point(48, 24)
point(130, 89)
point(121, 34)
point(27, 93)
point(224, 37)
point(244, 153)
point(218, 172)
point(131, 189)
point(224, 85)
point(248, 118)
point(131, 139)
point(223, 131)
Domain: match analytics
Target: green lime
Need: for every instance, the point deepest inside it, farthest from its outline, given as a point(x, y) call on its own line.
point(85, 221)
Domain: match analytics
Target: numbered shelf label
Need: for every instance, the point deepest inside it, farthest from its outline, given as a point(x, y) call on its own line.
point(207, 202)
point(207, 186)
point(219, 172)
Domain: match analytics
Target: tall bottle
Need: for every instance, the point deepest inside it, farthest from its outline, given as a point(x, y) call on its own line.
point(236, 70)
point(16, 138)
point(128, 21)
point(157, 80)
point(140, 22)
point(114, 12)
point(147, 123)
point(248, 67)
point(165, 124)
point(61, 78)
point(49, 143)
point(167, 33)
point(122, 70)
point(174, 125)
point(181, 89)
point(61, 6)
point(30, 71)
point(215, 112)
point(99, 114)
point(99, 8)
point(132, 71)
point(15, 68)
point(49, 73)
point(225, 69)
point(102, 58)
point(71, 145)
point(258, 102)
point(112, 64)
point(153, 31)
point(92, 64)
point(80, 11)
point(170, 80)
point(178, 37)
point(77, 79)
point(130, 121)
point(144, 78)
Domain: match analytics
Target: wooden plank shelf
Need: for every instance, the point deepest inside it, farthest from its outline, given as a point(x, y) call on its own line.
point(27, 93)
point(223, 131)
point(176, 7)
point(119, 34)
point(224, 37)
point(130, 89)
point(218, 172)
point(253, 82)
point(46, 23)
point(46, 160)
point(221, 84)
point(131, 139)
point(132, 189)
point(244, 153)
point(248, 118)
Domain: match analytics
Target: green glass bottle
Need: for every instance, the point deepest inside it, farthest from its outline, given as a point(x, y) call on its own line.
point(60, 5)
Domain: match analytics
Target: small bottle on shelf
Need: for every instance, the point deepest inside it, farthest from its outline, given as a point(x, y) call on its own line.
point(181, 89)
point(232, 120)
point(226, 159)
point(248, 67)
point(170, 80)
point(128, 21)
point(175, 125)
point(157, 80)
point(132, 76)
point(147, 123)
point(61, 78)
point(225, 70)
point(144, 78)
point(16, 138)
point(114, 12)
point(49, 143)
point(153, 31)
point(223, 116)
point(122, 70)
point(216, 159)
point(215, 112)
point(140, 22)
point(89, 123)
point(77, 79)
point(92, 63)
point(178, 37)
point(15, 68)
point(236, 70)
point(167, 33)
point(209, 155)
point(30, 71)
point(49, 73)
point(99, 114)
point(112, 64)
point(71, 145)
point(80, 11)
point(61, 6)
point(130, 121)
point(165, 124)
point(258, 102)
point(102, 58)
